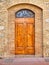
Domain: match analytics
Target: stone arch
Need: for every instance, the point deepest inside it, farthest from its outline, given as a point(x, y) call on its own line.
point(13, 5)
point(38, 25)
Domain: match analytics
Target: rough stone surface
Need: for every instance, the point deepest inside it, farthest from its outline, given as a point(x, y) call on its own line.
point(7, 9)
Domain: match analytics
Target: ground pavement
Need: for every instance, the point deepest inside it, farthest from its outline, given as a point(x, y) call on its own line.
point(24, 61)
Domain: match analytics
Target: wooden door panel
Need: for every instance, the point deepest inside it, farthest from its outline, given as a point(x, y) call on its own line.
point(19, 35)
point(20, 50)
point(30, 43)
point(20, 41)
point(20, 28)
point(29, 51)
point(24, 36)
point(24, 20)
point(30, 29)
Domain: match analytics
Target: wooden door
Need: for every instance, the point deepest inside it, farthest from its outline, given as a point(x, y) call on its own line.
point(24, 36)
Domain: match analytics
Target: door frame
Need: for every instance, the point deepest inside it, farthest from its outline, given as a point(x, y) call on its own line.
point(38, 25)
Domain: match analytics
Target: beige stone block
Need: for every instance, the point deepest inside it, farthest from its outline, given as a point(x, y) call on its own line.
point(46, 0)
point(7, 18)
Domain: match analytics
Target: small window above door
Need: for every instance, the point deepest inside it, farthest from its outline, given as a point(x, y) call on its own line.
point(24, 13)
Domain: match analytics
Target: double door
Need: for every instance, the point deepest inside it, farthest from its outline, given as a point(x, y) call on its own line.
point(24, 36)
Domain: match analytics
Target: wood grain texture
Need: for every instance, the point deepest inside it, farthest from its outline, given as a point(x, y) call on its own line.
point(24, 35)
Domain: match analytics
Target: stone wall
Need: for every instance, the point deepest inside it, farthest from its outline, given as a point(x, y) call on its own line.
point(4, 6)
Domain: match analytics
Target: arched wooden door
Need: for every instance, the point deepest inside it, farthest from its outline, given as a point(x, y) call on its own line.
point(24, 36)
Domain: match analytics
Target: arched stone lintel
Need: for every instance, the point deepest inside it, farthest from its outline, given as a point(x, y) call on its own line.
point(24, 4)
